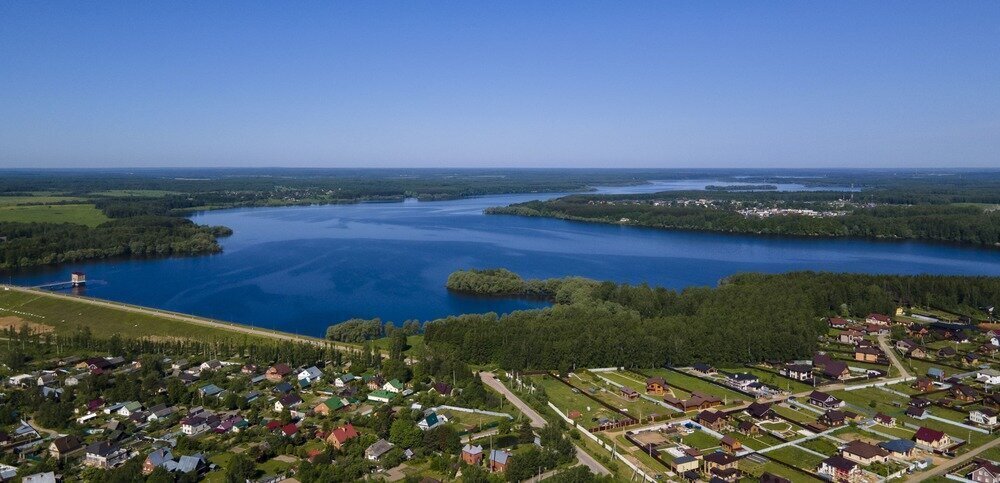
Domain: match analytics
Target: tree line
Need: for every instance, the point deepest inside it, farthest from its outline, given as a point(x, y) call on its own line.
point(748, 318)
point(972, 224)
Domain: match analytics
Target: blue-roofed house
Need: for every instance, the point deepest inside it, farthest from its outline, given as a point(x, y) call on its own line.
point(499, 460)
point(901, 448)
point(209, 390)
point(310, 375)
point(936, 372)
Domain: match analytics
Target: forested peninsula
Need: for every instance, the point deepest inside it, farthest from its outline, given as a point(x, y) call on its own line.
point(814, 214)
point(748, 318)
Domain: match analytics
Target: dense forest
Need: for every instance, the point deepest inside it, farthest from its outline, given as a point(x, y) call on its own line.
point(31, 244)
point(973, 224)
point(749, 318)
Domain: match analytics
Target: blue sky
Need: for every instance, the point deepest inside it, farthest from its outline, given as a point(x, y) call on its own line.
point(500, 84)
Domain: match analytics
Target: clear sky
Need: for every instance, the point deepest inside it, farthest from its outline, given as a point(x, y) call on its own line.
point(500, 84)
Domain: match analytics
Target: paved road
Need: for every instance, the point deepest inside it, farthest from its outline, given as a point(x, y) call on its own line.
point(883, 342)
point(179, 317)
point(941, 470)
point(538, 421)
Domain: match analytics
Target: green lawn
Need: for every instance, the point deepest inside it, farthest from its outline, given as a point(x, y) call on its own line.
point(700, 440)
point(775, 380)
point(820, 445)
point(64, 316)
point(756, 442)
point(82, 214)
point(415, 343)
point(692, 383)
point(801, 416)
point(566, 400)
point(774, 468)
point(796, 457)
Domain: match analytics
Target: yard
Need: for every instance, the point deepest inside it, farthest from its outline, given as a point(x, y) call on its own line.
point(755, 442)
point(563, 397)
point(700, 440)
point(796, 457)
point(470, 421)
point(756, 469)
point(800, 416)
point(691, 383)
point(81, 214)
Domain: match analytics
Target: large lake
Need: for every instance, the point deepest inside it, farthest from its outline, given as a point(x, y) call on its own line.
point(300, 269)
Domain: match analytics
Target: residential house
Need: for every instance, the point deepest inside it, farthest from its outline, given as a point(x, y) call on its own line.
point(341, 435)
point(432, 421)
point(838, 323)
point(212, 365)
point(983, 417)
point(442, 388)
point(761, 411)
point(683, 464)
point(209, 390)
point(499, 459)
point(946, 352)
point(851, 337)
point(289, 402)
point(748, 428)
point(988, 376)
point(743, 379)
point(329, 406)
point(656, 385)
point(472, 455)
point(156, 459)
point(65, 447)
point(704, 368)
point(394, 386)
point(824, 400)
point(629, 393)
point(130, 408)
point(838, 468)
point(935, 373)
point(194, 425)
point(377, 449)
point(923, 384)
point(885, 420)
point(867, 354)
point(47, 477)
point(964, 393)
point(713, 420)
point(878, 319)
point(899, 448)
point(985, 471)
point(730, 444)
point(283, 387)
point(864, 453)
point(931, 439)
point(875, 329)
point(718, 462)
point(836, 370)
point(835, 417)
point(380, 396)
point(798, 372)
point(277, 372)
point(310, 375)
point(105, 455)
point(344, 380)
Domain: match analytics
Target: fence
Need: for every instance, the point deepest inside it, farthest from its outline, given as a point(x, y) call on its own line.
point(601, 442)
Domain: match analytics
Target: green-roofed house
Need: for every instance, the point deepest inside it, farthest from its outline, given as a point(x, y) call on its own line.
point(381, 396)
point(329, 406)
point(394, 386)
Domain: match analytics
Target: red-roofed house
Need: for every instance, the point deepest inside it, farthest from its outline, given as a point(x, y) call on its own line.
point(339, 436)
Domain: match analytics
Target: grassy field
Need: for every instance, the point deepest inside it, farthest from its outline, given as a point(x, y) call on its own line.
point(415, 342)
point(774, 468)
point(639, 408)
point(701, 440)
point(796, 457)
point(775, 380)
point(756, 442)
point(51, 314)
point(81, 214)
point(821, 445)
point(797, 415)
point(566, 400)
point(6, 201)
point(692, 383)
point(469, 421)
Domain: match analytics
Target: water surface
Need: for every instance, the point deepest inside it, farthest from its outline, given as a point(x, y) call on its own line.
point(300, 269)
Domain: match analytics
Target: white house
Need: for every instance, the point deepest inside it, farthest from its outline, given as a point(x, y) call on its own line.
point(311, 374)
point(193, 425)
point(983, 417)
point(988, 376)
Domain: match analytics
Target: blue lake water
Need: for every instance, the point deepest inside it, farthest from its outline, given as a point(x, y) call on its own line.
point(300, 269)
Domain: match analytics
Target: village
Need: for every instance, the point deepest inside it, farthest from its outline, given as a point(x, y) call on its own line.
point(905, 397)
point(886, 397)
